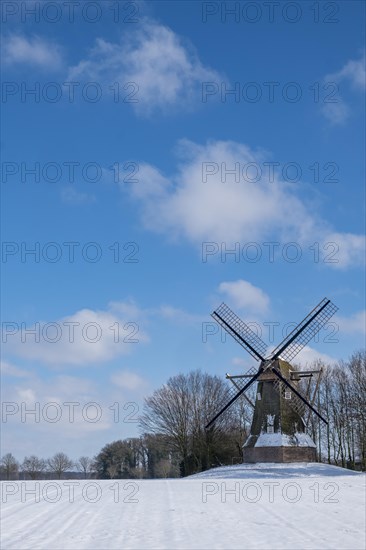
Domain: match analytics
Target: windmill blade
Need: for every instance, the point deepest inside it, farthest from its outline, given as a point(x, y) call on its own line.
point(279, 375)
point(305, 331)
point(229, 403)
point(240, 332)
point(238, 382)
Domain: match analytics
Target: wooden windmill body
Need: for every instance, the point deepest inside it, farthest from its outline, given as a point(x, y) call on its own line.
point(281, 409)
point(278, 430)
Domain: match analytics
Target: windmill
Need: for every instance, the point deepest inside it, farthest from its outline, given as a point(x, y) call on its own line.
point(282, 408)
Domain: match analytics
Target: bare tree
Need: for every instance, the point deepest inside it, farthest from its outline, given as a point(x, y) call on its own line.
point(357, 366)
point(163, 468)
point(155, 448)
point(116, 459)
point(181, 409)
point(113, 469)
point(9, 465)
point(84, 465)
point(34, 466)
point(59, 464)
point(342, 401)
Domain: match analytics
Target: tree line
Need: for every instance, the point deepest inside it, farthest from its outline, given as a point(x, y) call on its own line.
point(186, 403)
point(174, 442)
point(342, 400)
point(34, 467)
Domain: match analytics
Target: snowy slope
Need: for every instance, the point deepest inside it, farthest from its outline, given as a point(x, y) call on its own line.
point(245, 506)
point(277, 470)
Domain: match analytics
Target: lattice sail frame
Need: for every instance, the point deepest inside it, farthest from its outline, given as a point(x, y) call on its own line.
point(240, 331)
point(238, 383)
point(305, 331)
point(295, 403)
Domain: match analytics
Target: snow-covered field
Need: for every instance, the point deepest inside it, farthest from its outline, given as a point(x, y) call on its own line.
point(294, 506)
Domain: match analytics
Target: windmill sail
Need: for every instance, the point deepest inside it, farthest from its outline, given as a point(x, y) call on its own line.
point(240, 331)
point(305, 331)
point(298, 394)
point(236, 396)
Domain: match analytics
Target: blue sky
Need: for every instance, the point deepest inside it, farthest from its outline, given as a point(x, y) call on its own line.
point(147, 171)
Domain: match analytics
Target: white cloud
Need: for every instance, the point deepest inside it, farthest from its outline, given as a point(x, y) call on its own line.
point(84, 338)
point(354, 71)
point(35, 51)
point(356, 323)
point(8, 369)
point(128, 380)
point(151, 183)
point(203, 203)
point(335, 109)
point(80, 412)
point(128, 309)
point(203, 207)
point(26, 395)
point(308, 355)
point(161, 71)
point(344, 249)
point(47, 410)
point(336, 113)
point(246, 296)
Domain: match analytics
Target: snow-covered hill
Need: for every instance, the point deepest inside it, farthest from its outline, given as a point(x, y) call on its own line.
point(292, 506)
point(276, 470)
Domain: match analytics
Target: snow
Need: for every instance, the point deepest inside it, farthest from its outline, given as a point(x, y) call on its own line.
point(277, 469)
point(307, 506)
point(283, 440)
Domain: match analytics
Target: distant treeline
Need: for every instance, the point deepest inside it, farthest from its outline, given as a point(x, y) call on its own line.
point(174, 442)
